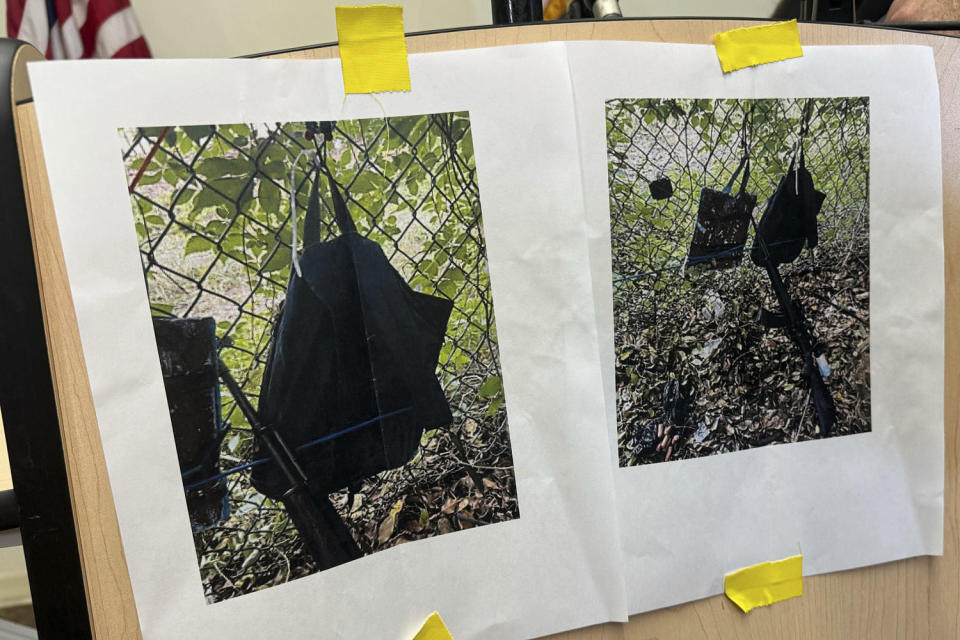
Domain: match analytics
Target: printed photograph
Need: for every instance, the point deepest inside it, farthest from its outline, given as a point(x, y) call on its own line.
point(740, 238)
point(324, 325)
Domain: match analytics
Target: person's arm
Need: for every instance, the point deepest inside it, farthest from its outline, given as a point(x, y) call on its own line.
point(923, 11)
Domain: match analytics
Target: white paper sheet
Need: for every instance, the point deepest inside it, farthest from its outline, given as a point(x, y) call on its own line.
point(843, 502)
point(558, 565)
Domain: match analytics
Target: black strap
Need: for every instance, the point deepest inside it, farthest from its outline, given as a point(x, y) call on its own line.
point(744, 141)
point(743, 166)
point(804, 127)
point(341, 214)
point(744, 158)
point(311, 221)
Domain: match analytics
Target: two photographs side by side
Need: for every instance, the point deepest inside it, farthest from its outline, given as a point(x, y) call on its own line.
point(571, 329)
point(325, 327)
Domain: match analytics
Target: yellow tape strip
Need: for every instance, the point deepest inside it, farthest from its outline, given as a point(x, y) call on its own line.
point(751, 46)
point(765, 583)
point(373, 51)
point(433, 629)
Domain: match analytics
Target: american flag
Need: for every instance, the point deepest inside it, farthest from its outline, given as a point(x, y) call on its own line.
point(78, 28)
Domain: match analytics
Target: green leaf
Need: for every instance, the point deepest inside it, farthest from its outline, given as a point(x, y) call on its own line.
point(209, 198)
point(199, 133)
point(466, 149)
point(494, 406)
point(230, 187)
point(365, 183)
point(269, 196)
point(218, 167)
point(429, 267)
point(461, 125)
point(409, 127)
point(276, 152)
point(279, 260)
point(451, 282)
point(234, 130)
point(149, 178)
point(197, 244)
point(163, 309)
point(170, 177)
point(215, 227)
point(491, 387)
point(275, 169)
point(184, 145)
point(413, 184)
point(170, 138)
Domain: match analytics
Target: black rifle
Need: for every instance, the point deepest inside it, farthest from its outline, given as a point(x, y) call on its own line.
point(792, 319)
point(324, 535)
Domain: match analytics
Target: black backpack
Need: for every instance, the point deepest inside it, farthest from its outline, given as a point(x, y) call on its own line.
point(350, 383)
point(790, 219)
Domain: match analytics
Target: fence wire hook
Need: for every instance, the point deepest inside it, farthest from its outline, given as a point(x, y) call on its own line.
point(292, 190)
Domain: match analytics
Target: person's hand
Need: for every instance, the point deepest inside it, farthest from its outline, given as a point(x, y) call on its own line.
point(923, 11)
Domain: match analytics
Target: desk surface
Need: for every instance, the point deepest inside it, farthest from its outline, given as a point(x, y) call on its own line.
point(916, 598)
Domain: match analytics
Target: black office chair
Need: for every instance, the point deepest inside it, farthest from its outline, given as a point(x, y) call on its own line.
point(41, 506)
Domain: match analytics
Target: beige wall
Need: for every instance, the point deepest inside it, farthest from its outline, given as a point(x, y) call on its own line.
point(703, 8)
point(14, 587)
point(223, 28)
point(220, 28)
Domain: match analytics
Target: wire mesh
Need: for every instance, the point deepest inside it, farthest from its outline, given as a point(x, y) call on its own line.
point(678, 327)
point(213, 222)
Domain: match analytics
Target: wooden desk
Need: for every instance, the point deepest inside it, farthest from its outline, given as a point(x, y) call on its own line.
point(916, 598)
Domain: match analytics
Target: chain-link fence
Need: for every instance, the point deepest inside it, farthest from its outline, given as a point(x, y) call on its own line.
point(213, 217)
point(689, 347)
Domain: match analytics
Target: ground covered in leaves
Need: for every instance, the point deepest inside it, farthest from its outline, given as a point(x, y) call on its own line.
point(437, 492)
point(743, 383)
point(461, 477)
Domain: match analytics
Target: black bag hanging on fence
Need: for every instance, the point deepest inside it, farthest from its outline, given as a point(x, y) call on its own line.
point(790, 219)
point(350, 381)
point(661, 188)
point(720, 231)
